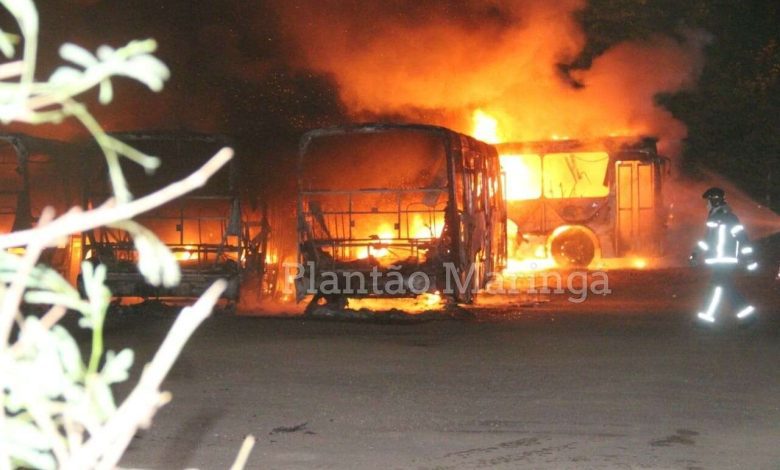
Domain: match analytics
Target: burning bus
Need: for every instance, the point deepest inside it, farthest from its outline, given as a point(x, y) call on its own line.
point(401, 199)
point(210, 232)
point(576, 203)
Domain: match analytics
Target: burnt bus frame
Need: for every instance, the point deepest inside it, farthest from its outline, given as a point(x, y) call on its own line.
point(124, 280)
point(466, 157)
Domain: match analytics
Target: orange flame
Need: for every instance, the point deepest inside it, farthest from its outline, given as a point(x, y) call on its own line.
point(499, 56)
point(522, 181)
point(185, 253)
point(418, 229)
point(485, 127)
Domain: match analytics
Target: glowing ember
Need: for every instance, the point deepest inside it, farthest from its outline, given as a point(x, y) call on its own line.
point(185, 254)
point(420, 304)
point(422, 229)
point(419, 228)
point(379, 249)
point(519, 266)
point(431, 300)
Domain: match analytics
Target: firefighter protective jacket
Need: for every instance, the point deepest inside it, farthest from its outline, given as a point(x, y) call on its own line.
point(726, 242)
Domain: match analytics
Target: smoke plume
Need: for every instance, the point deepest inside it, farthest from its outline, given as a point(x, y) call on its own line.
point(449, 58)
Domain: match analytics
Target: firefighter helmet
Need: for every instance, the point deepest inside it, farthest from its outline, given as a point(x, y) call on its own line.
point(715, 195)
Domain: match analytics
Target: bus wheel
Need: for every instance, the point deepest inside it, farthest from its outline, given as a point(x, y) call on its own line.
point(573, 246)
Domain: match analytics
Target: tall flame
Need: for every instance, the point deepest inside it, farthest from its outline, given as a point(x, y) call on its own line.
point(485, 127)
point(434, 63)
point(522, 181)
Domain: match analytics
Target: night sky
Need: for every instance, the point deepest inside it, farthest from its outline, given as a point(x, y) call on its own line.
point(235, 71)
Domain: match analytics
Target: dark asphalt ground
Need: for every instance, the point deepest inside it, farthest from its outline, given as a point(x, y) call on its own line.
point(620, 381)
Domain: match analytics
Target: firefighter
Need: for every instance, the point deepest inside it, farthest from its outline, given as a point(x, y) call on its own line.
point(724, 249)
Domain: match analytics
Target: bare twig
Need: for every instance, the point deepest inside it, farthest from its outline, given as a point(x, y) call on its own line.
point(114, 452)
point(106, 446)
point(53, 316)
point(110, 213)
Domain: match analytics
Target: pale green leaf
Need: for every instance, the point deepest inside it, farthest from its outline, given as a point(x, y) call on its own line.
point(69, 352)
point(65, 75)
point(148, 70)
point(155, 261)
point(117, 366)
point(94, 285)
point(102, 398)
point(70, 301)
point(7, 43)
point(78, 55)
point(27, 445)
point(105, 53)
point(106, 92)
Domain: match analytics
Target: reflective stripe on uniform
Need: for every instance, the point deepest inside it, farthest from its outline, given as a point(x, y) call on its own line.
point(721, 240)
point(746, 311)
point(709, 315)
point(722, 260)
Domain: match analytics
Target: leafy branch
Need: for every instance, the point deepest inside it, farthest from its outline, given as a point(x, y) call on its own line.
point(56, 409)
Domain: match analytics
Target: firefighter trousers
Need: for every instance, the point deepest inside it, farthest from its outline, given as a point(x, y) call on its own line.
point(723, 290)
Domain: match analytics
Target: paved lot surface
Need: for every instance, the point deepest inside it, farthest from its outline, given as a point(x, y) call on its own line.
point(621, 381)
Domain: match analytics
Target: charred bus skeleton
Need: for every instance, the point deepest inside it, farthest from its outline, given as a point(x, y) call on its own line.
point(406, 199)
point(580, 202)
point(218, 231)
point(210, 232)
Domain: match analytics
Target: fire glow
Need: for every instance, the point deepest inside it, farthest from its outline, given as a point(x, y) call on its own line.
point(492, 70)
point(529, 177)
point(520, 183)
point(502, 58)
point(382, 249)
